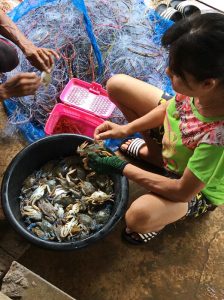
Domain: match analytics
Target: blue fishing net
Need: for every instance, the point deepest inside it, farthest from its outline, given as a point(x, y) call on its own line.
point(95, 40)
point(73, 38)
point(27, 5)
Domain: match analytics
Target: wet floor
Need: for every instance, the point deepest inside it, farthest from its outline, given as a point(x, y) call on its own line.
point(185, 262)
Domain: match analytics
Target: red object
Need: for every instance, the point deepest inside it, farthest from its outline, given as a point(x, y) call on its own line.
point(65, 119)
point(84, 105)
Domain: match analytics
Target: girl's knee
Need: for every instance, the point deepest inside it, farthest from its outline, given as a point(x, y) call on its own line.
point(115, 84)
point(137, 216)
point(140, 220)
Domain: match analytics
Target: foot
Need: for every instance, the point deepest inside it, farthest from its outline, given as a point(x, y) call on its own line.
point(143, 152)
point(137, 148)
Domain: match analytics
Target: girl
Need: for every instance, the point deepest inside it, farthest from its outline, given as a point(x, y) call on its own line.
point(191, 149)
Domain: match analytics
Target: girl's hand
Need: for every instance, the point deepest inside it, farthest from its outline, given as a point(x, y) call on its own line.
point(110, 130)
point(22, 84)
point(41, 58)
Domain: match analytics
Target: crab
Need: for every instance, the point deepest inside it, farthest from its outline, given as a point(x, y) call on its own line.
point(48, 210)
point(98, 198)
point(38, 193)
point(66, 229)
point(29, 211)
point(87, 188)
point(45, 78)
point(71, 211)
point(85, 149)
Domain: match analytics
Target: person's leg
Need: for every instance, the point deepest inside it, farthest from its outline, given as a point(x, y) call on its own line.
point(9, 59)
point(151, 213)
point(136, 98)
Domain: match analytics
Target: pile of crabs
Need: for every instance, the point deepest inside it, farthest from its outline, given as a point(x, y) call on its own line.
point(64, 200)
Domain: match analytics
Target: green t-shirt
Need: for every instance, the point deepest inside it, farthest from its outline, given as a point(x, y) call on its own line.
point(196, 142)
point(207, 164)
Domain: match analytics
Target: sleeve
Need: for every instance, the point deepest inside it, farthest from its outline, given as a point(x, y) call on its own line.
point(207, 163)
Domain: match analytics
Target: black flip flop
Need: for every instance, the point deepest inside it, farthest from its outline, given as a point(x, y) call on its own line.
point(128, 237)
point(168, 13)
point(141, 238)
point(186, 8)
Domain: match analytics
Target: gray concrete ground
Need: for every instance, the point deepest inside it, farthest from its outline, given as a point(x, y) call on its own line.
point(184, 263)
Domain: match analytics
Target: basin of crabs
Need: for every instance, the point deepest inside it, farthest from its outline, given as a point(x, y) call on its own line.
point(25, 207)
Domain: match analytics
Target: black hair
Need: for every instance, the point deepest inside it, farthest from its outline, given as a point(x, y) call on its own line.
point(8, 56)
point(196, 46)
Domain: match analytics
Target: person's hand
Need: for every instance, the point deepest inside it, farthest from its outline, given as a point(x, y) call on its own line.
point(22, 84)
point(110, 130)
point(106, 165)
point(41, 58)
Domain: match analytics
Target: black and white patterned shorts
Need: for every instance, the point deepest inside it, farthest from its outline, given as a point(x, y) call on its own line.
point(199, 205)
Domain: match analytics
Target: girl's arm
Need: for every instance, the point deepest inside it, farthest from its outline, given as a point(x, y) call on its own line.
point(177, 190)
point(151, 120)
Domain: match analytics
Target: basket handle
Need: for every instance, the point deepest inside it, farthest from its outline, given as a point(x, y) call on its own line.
point(95, 88)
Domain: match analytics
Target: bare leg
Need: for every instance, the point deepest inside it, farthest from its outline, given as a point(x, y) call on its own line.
point(152, 213)
point(136, 98)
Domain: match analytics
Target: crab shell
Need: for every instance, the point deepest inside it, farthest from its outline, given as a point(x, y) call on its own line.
point(98, 197)
point(45, 78)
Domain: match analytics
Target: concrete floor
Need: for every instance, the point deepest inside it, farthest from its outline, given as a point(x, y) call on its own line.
point(186, 262)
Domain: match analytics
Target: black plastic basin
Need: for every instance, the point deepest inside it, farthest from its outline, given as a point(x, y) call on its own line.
point(32, 158)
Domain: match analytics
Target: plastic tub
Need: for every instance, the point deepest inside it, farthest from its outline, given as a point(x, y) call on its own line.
point(32, 158)
point(83, 107)
point(65, 119)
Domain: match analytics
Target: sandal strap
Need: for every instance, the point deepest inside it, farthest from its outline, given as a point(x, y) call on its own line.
point(168, 13)
point(134, 147)
point(138, 238)
point(182, 5)
point(146, 237)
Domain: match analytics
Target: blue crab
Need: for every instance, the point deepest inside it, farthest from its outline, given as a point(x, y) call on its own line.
point(32, 213)
point(86, 148)
point(98, 198)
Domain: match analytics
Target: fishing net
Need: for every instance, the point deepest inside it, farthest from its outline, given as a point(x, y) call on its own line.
point(95, 40)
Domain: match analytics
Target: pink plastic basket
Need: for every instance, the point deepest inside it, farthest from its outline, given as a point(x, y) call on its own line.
point(65, 119)
point(84, 106)
point(90, 97)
